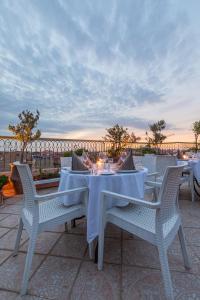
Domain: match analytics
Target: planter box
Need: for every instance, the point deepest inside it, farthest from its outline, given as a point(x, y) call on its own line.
point(47, 183)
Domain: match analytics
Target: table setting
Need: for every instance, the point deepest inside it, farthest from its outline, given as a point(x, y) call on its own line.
point(121, 177)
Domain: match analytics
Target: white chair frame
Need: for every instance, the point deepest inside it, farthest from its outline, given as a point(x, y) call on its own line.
point(161, 162)
point(41, 212)
point(156, 222)
point(66, 162)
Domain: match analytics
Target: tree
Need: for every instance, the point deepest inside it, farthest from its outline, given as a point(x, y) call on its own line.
point(133, 138)
point(196, 131)
point(119, 137)
point(24, 130)
point(157, 137)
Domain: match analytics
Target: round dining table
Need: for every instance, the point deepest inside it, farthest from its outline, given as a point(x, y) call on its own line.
point(129, 184)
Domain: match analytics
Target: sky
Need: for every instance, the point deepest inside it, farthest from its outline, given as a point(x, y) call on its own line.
point(87, 65)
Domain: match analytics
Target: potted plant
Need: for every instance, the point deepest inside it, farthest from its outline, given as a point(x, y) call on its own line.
point(25, 133)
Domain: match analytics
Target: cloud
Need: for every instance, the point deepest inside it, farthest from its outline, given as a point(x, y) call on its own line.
point(91, 64)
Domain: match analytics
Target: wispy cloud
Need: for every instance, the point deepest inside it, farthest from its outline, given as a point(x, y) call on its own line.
point(89, 64)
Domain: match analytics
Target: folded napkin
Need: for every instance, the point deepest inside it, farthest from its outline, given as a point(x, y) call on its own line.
point(77, 164)
point(86, 160)
point(128, 163)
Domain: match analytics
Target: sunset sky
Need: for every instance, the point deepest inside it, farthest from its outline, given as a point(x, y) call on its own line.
point(87, 65)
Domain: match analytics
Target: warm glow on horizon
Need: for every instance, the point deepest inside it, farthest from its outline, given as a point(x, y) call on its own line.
point(100, 133)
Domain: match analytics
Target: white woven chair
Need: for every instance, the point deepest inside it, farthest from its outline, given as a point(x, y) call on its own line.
point(66, 162)
point(149, 161)
point(41, 212)
point(157, 222)
point(164, 161)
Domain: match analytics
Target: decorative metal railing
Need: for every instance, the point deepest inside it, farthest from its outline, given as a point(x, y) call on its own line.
point(46, 152)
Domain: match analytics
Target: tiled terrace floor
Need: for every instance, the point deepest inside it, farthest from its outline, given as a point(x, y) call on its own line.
point(62, 269)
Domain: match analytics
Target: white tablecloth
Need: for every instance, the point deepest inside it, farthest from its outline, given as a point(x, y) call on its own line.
point(130, 184)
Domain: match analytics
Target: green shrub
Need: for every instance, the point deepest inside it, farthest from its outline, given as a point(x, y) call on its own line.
point(79, 152)
point(67, 154)
point(148, 150)
point(3, 180)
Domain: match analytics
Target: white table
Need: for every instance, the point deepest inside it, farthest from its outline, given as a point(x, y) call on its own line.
point(130, 184)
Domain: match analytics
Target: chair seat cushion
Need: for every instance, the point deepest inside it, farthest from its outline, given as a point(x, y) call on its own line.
point(140, 216)
point(139, 220)
point(52, 209)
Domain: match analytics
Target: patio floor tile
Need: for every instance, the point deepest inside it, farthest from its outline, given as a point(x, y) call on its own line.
point(140, 283)
point(54, 278)
point(57, 228)
point(11, 209)
point(71, 245)
point(94, 284)
point(3, 216)
point(44, 243)
point(10, 222)
point(112, 251)
point(192, 236)
point(12, 270)
point(29, 297)
point(112, 231)
point(63, 270)
point(141, 253)
point(14, 200)
point(3, 231)
point(8, 240)
point(3, 255)
point(80, 227)
point(4, 295)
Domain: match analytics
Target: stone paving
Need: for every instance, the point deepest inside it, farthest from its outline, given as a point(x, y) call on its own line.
point(62, 269)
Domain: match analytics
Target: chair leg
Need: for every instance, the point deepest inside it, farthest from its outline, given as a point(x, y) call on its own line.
point(101, 248)
point(19, 234)
point(165, 272)
point(183, 248)
point(29, 258)
point(91, 250)
point(191, 185)
point(68, 226)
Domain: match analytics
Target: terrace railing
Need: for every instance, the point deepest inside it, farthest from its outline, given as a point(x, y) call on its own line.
point(46, 152)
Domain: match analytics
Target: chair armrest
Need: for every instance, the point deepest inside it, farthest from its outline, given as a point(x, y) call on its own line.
point(153, 184)
point(59, 194)
point(152, 174)
point(130, 199)
point(43, 181)
point(187, 169)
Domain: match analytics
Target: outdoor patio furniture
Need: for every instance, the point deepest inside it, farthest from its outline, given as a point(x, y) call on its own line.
point(41, 212)
point(195, 166)
point(66, 162)
point(158, 164)
point(126, 183)
point(157, 223)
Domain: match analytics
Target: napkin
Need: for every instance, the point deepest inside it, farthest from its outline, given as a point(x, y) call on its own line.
point(128, 163)
point(77, 164)
point(86, 160)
